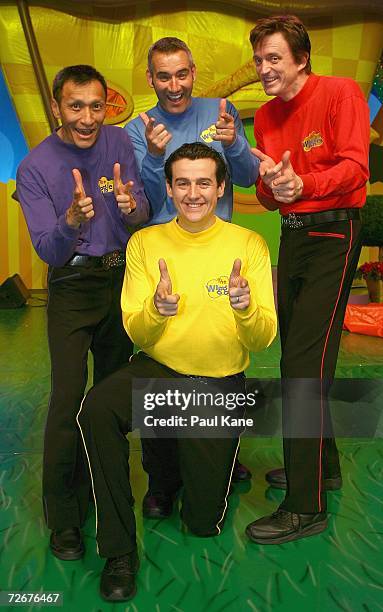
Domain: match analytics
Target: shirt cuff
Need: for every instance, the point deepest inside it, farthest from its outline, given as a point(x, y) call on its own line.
point(67, 231)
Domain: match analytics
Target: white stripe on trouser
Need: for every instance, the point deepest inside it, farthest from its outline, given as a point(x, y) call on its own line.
point(228, 489)
point(90, 470)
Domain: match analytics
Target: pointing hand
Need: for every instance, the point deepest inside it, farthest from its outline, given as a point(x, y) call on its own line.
point(157, 136)
point(125, 199)
point(239, 290)
point(164, 300)
point(81, 209)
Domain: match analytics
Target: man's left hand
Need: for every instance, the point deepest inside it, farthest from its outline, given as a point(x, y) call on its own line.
point(239, 290)
point(225, 126)
point(288, 186)
point(125, 199)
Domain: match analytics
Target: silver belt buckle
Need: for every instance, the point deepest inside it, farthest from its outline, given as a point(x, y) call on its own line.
point(293, 221)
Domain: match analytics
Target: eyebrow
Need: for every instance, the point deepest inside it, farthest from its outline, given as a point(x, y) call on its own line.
point(198, 180)
point(164, 73)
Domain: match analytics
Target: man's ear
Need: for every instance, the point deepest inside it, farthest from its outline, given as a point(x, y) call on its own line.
point(169, 189)
point(303, 61)
point(221, 189)
point(149, 78)
point(55, 108)
point(194, 72)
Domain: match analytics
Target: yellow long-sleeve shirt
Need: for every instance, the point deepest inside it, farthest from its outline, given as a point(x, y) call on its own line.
point(206, 337)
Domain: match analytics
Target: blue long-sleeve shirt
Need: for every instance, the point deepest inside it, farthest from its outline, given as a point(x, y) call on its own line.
point(197, 123)
point(45, 188)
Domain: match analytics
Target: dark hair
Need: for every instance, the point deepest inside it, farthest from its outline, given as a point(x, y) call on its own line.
point(196, 150)
point(293, 31)
point(168, 45)
point(80, 74)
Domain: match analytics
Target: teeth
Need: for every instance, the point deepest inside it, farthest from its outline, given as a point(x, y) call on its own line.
point(175, 96)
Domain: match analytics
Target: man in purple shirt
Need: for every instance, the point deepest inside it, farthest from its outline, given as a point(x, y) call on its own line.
point(80, 191)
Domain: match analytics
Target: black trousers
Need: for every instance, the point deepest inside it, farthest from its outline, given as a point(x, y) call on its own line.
point(316, 267)
point(84, 314)
point(205, 464)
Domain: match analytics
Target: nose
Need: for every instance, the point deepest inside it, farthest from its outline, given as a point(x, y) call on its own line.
point(87, 116)
point(193, 191)
point(264, 67)
point(173, 84)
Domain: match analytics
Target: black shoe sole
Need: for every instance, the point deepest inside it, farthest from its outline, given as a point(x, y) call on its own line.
point(155, 515)
point(311, 530)
point(67, 556)
point(113, 598)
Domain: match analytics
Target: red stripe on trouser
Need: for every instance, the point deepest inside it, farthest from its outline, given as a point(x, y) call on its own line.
point(322, 363)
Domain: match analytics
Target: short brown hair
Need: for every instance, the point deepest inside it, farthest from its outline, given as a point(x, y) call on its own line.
point(168, 45)
point(292, 30)
point(193, 151)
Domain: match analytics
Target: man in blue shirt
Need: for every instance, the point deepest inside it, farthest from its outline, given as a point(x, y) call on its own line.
point(176, 119)
point(80, 191)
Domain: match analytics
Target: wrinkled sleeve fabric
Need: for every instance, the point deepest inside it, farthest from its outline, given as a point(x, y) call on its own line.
point(52, 238)
point(257, 325)
point(142, 321)
point(151, 168)
point(242, 163)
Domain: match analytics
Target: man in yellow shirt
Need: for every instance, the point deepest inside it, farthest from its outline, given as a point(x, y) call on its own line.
point(197, 297)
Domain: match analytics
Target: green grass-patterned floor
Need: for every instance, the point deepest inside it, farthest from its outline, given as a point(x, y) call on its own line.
point(341, 569)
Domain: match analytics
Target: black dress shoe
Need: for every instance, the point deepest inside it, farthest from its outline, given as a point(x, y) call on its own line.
point(283, 526)
point(67, 544)
point(277, 479)
point(118, 578)
point(240, 473)
point(157, 505)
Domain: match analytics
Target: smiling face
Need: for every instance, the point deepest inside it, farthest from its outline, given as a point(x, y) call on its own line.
point(195, 193)
point(81, 111)
point(172, 78)
point(277, 69)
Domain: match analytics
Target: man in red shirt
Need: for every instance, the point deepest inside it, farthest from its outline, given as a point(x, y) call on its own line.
point(313, 141)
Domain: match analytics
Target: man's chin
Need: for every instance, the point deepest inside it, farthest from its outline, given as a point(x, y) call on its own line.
point(84, 143)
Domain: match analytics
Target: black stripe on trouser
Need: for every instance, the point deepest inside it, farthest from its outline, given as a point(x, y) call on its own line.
point(315, 274)
point(104, 419)
point(83, 313)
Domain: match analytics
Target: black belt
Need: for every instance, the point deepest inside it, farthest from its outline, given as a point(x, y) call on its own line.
point(294, 221)
point(115, 259)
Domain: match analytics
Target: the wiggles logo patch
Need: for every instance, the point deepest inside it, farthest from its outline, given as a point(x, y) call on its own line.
point(207, 134)
point(105, 185)
point(216, 287)
point(312, 140)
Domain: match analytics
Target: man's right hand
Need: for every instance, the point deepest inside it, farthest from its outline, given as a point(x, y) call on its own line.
point(268, 169)
point(157, 136)
point(165, 302)
point(81, 209)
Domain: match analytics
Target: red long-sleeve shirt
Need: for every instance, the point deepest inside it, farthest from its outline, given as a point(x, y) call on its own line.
point(326, 127)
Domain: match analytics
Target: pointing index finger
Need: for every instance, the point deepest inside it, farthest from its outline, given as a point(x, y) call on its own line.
point(79, 187)
point(117, 178)
point(222, 106)
point(235, 272)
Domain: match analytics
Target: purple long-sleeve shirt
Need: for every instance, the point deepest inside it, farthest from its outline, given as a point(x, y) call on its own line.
point(45, 189)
